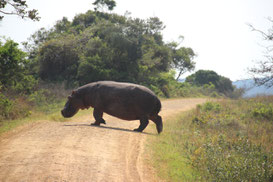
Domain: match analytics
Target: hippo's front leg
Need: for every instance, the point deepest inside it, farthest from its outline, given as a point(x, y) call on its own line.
point(98, 117)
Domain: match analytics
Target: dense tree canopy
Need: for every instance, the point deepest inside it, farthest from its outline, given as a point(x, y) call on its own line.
point(14, 68)
point(202, 77)
point(103, 46)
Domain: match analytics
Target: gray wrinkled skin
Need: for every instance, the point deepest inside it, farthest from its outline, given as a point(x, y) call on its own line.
point(126, 101)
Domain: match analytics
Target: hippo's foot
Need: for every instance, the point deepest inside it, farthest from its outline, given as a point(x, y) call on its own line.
point(138, 130)
point(102, 121)
point(97, 123)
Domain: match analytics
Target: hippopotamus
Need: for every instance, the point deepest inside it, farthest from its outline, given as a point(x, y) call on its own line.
point(126, 101)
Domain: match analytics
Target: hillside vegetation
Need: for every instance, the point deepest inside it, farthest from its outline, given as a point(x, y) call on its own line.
point(229, 140)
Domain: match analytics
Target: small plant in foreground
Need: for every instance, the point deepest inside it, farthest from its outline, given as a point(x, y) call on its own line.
point(238, 160)
point(6, 106)
point(263, 111)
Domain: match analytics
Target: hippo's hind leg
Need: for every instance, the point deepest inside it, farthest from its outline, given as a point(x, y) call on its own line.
point(98, 117)
point(158, 121)
point(143, 124)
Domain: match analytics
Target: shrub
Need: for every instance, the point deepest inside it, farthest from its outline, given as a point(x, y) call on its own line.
point(214, 94)
point(239, 160)
point(6, 107)
point(25, 85)
point(263, 111)
point(13, 108)
point(14, 69)
point(211, 106)
point(38, 97)
point(49, 97)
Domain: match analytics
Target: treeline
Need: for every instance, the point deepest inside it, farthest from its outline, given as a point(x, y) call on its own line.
point(101, 46)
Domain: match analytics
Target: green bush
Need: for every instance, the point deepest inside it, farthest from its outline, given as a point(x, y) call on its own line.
point(13, 108)
point(239, 160)
point(6, 107)
point(38, 97)
point(14, 69)
point(48, 98)
point(25, 85)
point(209, 106)
point(263, 111)
point(214, 94)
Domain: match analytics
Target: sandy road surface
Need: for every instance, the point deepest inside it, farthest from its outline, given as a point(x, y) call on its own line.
point(76, 151)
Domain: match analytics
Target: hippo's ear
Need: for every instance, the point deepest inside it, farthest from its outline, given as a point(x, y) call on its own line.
point(73, 92)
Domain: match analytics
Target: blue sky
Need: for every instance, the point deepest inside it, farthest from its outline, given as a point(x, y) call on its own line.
point(216, 29)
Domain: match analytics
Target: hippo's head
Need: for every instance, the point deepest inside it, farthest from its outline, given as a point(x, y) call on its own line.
point(72, 106)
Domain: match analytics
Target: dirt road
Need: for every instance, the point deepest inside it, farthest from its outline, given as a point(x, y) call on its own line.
point(77, 152)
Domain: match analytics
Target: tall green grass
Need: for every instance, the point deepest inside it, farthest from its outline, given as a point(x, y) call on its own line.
point(52, 114)
point(44, 103)
point(230, 140)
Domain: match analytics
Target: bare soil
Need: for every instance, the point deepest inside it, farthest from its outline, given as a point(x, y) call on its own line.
point(75, 151)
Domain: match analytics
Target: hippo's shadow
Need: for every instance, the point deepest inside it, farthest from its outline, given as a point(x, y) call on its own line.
point(110, 128)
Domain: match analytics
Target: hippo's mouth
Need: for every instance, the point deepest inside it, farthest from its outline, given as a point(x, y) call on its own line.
point(69, 114)
point(64, 114)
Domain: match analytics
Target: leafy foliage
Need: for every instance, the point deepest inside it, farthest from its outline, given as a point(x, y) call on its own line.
point(14, 72)
point(263, 111)
point(6, 107)
point(109, 3)
point(202, 77)
point(19, 8)
point(59, 60)
point(102, 46)
point(182, 60)
point(12, 108)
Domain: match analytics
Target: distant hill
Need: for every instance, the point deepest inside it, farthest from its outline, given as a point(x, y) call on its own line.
point(251, 89)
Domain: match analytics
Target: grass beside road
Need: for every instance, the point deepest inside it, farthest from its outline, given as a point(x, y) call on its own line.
point(169, 157)
point(51, 113)
point(230, 140)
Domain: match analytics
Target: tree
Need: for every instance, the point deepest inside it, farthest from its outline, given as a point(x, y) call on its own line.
point(14, 72)
point(183, 60)
point(203, 77)
point(106, 46)
point(263, 71)
point(59, 59)
point(100, 4)
point(19, 8)
point(225, 85)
